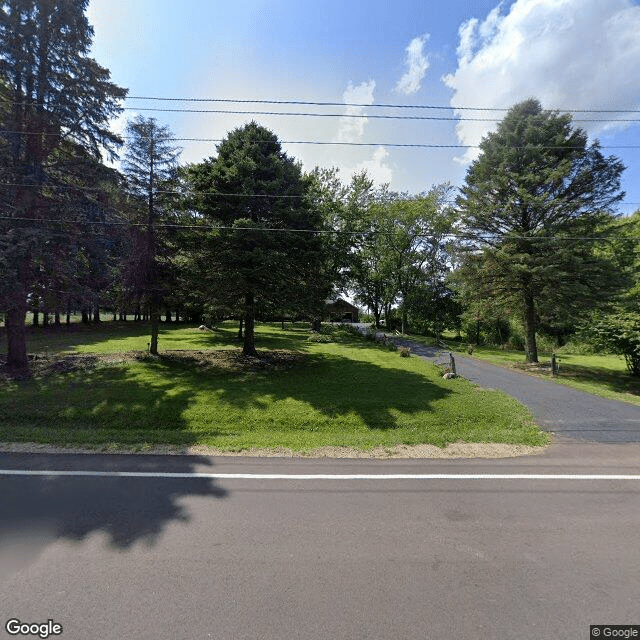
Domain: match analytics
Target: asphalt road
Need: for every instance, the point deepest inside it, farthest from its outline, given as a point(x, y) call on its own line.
point(556, 408)
point(256, 557)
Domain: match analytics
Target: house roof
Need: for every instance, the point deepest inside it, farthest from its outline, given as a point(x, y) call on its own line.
point(340, 302)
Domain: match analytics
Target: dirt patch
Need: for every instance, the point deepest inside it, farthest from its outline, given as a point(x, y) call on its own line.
point(231, 360)
point(418, 451)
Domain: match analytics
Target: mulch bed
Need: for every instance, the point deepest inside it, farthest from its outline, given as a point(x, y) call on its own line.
point(231, 360)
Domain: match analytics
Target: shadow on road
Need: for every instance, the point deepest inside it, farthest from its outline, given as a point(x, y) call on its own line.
point(39, 510)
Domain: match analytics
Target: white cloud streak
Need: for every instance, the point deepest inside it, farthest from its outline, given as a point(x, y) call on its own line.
point(416, 63)
point(376, 167)
point(570, 54)
point(352, 129)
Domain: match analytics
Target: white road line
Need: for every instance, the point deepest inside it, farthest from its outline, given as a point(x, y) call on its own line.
point(320, 476)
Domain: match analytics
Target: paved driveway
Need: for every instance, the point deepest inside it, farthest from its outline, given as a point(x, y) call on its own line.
point(556, 408)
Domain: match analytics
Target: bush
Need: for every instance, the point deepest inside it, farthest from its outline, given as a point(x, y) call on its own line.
point(546, 343)
point(620, 333)
point(319, 337)
point(579, 347)
point(470, 348)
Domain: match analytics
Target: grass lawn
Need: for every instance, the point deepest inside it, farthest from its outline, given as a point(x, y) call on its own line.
point(348, 392)
point(602, 375)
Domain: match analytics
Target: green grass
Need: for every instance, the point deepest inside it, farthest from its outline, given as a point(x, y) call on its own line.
point(604, 375)
point(345, 393)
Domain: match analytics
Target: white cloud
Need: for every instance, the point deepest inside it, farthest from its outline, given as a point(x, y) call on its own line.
point(417, 65)
point(570, 54)
point(376, 167)
point(352, 129)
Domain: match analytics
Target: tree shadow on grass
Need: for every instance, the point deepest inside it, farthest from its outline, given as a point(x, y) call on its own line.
point(105, 404)
point(618, 381)
point(54, 339)
point(111, 403)
point(333, 385)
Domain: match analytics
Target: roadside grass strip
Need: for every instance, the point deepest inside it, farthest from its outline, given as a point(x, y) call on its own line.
point(319, 476)
point(297, 394)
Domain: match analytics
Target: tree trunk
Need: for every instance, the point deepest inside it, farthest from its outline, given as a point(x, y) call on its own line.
point(36, 317)
point(96, 314)
point(85, 316)
point(240, 336)
point(167, 317)
point(154, 315)
point(249, 346)
point(530, 346)
point(45, 319)
point(376, 316)
point(17, 337)
point(56, 318)
point(316, 324)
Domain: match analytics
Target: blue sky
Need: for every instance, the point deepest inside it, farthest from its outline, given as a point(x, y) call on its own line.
point(571, 54)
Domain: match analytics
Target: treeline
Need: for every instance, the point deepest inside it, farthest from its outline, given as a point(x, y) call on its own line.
point(530, 240)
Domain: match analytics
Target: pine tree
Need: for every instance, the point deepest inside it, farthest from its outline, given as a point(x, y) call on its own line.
point(535, 189)
point(150, 165)
point(55, 93)
point(257, 193)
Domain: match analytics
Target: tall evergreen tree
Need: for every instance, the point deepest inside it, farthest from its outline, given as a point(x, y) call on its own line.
point(536, 188)
point(150, 166)
point(57, 93)
point(267, 251)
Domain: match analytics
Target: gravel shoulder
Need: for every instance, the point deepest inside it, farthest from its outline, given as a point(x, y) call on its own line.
point(420, 451)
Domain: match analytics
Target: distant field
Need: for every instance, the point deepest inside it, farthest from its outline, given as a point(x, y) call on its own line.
point(301, 395)
point(604, 375)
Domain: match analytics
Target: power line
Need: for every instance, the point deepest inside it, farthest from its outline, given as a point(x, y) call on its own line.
point(356, 115)
point(350, 115)
point(341, 104)
point(210, 227)
point(425, 145)
point(357, 104)
point(205, 193)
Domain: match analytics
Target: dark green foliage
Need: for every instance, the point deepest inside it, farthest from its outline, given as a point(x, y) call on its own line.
point(433, 308)
point(618, 333)
point(55, 122)
point(534, 193)
point(151, 168)
point(266, 254)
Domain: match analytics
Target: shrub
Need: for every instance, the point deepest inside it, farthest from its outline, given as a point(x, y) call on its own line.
point(620, 333)
point(319, 337)
point(470, 348)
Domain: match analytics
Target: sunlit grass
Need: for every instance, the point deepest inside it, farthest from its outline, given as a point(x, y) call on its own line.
point(345, 393)
point(605, 375)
